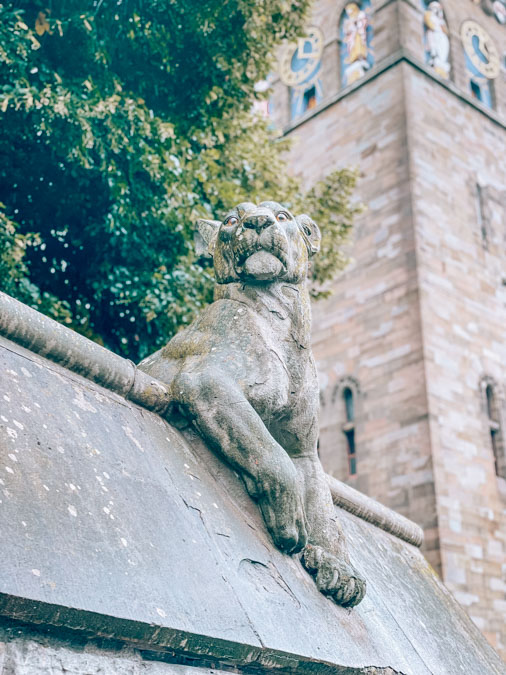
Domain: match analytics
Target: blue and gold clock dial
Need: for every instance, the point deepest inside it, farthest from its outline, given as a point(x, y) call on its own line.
point(480, 49)
point(299, 61)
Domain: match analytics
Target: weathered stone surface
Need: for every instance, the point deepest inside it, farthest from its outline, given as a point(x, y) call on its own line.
point(244, 374)
point(116, 524)
point(24, 652)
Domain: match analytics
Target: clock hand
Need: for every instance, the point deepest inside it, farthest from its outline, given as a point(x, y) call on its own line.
point(484, 49)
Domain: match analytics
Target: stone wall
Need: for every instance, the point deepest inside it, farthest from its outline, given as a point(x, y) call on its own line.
point(416, 325)
point(463, 304)
point(369, 330)
point(25, 651)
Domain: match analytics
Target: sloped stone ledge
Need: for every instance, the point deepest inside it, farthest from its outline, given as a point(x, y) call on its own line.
point(117, 528)
point(60, 344)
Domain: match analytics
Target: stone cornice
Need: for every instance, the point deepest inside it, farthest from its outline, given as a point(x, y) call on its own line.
point(398, 57)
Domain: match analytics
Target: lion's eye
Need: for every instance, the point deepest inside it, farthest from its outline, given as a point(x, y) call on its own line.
point(282, 217)
point(307, 230)
point(232, 220)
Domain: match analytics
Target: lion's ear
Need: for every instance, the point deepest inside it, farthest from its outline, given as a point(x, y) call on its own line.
point(310, 232)
point(206, 234)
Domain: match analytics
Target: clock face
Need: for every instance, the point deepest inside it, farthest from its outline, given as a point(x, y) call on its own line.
point(300, 61)
point(481, 49)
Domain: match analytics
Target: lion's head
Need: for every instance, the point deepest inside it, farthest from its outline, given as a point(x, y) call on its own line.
point(259, 244)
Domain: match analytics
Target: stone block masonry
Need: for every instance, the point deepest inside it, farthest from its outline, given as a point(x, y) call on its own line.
point(416, 327)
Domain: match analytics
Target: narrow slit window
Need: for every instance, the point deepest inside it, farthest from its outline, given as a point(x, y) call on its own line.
point(348, 404)
point(494, 426)
point(352, 457)
point(349, 430)
point(310, 99)
point(482, 221)
point(492, 407)
point(476, 90)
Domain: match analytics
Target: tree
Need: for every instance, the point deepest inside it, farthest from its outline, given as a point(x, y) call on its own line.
point(121, 123)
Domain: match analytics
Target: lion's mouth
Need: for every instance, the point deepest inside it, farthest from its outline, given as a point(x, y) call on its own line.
point(245, 252)
point(261, 256)
point(262, 263)
point(263, 266)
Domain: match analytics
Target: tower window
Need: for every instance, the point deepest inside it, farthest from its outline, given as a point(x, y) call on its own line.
point(348, 404)
point(476, 90)
point(495, 431)
point(481, 90)
point(482, 220)
point(310, 100)
point(305, 98)
point(493, 424)
point(349, 430)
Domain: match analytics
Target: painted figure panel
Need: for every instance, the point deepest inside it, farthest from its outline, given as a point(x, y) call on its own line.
point(436, 38)
point(356, 34)
point(499, 9)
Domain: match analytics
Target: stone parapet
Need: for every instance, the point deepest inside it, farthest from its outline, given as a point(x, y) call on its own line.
point(129, 547)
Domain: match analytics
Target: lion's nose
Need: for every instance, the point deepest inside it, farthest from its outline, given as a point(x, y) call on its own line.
point(258, 221)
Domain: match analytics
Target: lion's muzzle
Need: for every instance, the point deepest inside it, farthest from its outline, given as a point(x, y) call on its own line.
point(259, 220)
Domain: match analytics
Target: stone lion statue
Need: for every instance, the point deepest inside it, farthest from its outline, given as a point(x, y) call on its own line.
point(243, 372)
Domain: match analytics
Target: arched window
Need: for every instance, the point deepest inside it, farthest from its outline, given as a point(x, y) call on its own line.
point(340, 427)
point(355, 35)
point(348, 428)
point(493, 414)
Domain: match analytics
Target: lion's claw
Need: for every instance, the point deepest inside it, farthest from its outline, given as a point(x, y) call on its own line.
point(333, 577)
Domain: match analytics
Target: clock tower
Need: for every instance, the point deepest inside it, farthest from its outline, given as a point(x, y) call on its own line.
point(411, 346)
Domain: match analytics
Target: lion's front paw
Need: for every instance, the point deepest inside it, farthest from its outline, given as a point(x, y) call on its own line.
point(333, 577)
point(279, 497)
point(284, 516)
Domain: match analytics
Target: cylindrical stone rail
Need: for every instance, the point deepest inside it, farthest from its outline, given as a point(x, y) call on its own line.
point(60, 344)
point(373, 512)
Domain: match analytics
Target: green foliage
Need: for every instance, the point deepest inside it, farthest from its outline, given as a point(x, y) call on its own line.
point(121, 123)
point(329, 204)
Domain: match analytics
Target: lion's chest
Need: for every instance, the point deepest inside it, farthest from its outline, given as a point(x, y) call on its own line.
point(255, 351)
